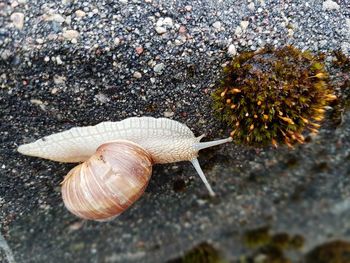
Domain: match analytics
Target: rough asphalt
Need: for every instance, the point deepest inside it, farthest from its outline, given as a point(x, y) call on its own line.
point(75, 63)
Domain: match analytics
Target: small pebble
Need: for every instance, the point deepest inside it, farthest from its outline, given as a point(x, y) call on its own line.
point(54, 91)
point(139, 50)
point(238, 31)
point(14, 4)
point(160, 30)
point(117, 41)
point(232, 50)
point(182, 30)
point(59, 80)
point(329, 5)
point(37, 102)
point(168, 22)
point(102, 98)
point(58, 60)
point(251, 6)
point(80, 13)
point(17, 20)
point(55, 17)
point(159, 68)
point(137, 75)
point(168, 114)
point(71, 34)
point(188, 8)
point(244, 25)
point(217, 25)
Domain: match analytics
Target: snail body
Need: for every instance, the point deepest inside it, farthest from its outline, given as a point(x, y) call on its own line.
point(117, 160)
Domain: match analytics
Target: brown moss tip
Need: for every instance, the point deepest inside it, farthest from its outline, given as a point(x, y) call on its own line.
point(273, 95)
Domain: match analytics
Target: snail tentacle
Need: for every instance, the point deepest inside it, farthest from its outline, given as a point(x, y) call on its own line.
point(202, 175)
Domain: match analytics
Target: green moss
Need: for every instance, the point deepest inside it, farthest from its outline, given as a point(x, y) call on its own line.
point(257, 237)
point(281, 240)
point(332, 252)
point(273, 96)
point(270, 248)
point(203, 253)
point(296, 242)
point(341, 80)
point(341, 60)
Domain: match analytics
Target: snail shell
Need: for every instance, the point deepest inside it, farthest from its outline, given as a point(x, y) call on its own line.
point(107, 150)
point(108, 182)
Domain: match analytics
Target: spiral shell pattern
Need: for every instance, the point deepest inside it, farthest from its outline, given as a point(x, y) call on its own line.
point(108, 182)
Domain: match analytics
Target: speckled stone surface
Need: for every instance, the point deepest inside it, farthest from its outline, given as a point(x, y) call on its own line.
point(75, 63)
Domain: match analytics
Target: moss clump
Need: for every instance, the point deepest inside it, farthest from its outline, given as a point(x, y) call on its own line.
point(257, 237)
point(342, 61)
point(273, 95)
point(333, 252)
point(270, 248)
point(341, 80)
point(203, 253)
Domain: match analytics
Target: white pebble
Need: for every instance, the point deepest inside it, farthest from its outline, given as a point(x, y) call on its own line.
point(330, 5)
point(71, 34)
point(59, 80)
point(251, 6)
point(59, 60)
point(55, 17)
point(160, 30)
point(168, 22)
point(54, 91)
point(117, 41)
point(217, 25)
point(168, 114)
point(14, 4)
point(80, 13)
point(238, 31)
point(160, 21)
point(232, 50)
point(188, 8)
point(137, 75)
point(37, 102)
point(244, 25)
point(17, 20)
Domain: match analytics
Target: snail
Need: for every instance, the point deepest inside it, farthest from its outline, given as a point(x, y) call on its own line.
point(117, 159)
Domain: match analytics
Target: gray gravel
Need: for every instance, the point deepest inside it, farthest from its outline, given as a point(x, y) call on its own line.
point(75, 63)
